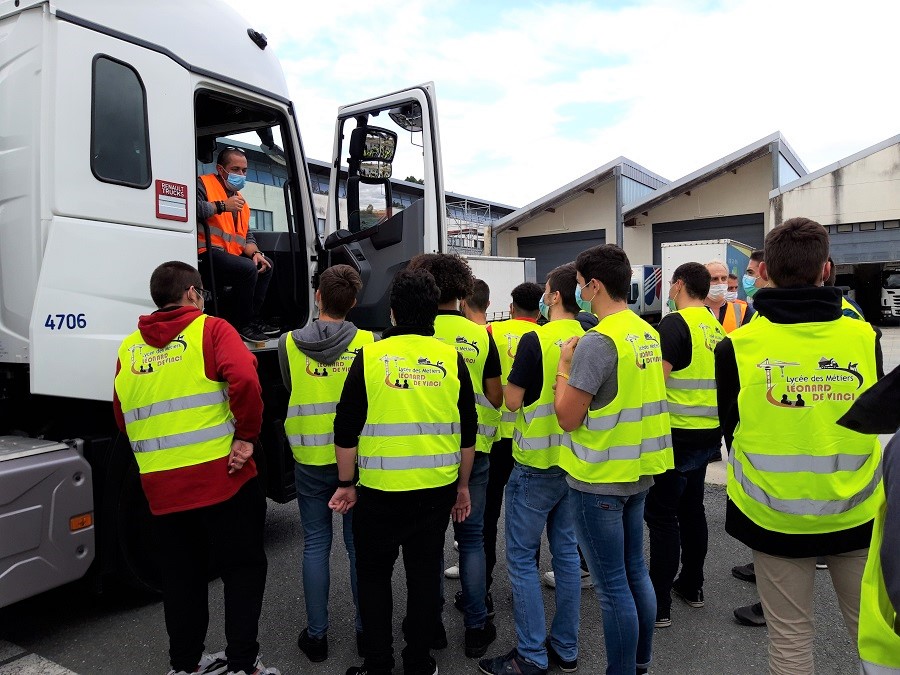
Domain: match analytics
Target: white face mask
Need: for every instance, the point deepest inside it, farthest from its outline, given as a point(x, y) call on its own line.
point(717, 291)
point(731, 296)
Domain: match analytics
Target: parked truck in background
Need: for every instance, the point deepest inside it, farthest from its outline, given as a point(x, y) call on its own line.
point(734, 254)
point(646, 292)
point(502, 275)
point(118, 106)
point(874, 286)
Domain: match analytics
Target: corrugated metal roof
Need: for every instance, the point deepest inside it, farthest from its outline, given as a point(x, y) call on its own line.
point(571, 190)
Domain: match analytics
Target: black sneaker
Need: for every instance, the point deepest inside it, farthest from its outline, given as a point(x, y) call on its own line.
point(750, 615)
point(438, 637)
point(691, 598)
point(252, 334)
point(488, 603)
point(509, 664)
point(266, 328)
point(316, 649)
point(744, 572)
point(478, 639)
point(558, 661)
point(428, 668)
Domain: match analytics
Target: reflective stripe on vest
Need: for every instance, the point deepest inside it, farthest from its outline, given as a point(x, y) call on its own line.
point(537, 437)
point(691, 391)
point(879, 624)
point(224, 232)
point(506, 335)
point(472, 341)
point(174, 415)
point(411, 438)
point(629, 437)
point(315, 392)
point(791, 469)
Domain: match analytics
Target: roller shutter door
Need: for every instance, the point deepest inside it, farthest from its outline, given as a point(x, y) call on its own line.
point(552, 250)
point(747, 229)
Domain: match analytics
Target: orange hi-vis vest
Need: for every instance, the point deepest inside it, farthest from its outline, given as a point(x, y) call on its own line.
point(228, 231)
point(734, 315)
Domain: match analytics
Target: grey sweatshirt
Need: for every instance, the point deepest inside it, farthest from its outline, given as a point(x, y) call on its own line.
point(322, 341)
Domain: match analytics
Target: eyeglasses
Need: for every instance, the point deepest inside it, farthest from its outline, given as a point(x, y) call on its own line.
point(202, 292)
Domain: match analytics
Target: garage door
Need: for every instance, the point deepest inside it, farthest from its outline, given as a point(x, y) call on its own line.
point(552, 250)
point(747, 229)
point(854, 243)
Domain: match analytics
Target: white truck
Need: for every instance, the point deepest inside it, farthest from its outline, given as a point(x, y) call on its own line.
point(733, 253)
point(501, 275)
point(108, 111)
point(645, 292)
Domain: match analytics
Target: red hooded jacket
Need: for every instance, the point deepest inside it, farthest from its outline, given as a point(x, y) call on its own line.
point(226, 359)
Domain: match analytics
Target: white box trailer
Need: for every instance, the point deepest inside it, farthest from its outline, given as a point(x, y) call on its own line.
point(733, 253)
point(502, 275)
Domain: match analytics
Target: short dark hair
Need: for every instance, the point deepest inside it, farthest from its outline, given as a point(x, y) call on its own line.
point(758, 255)
point(527, 297)
point(796, 252)
point(170, 280)
point(480, 296)
point(832, 275)
point(339, 286)
point(562, 280)
point(451, 273)
point(414, 297)
point(696, 279)
point(732, 275)
point(225, 153)
point(609, 265)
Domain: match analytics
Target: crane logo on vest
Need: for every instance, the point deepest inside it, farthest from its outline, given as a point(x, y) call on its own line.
point(512, 344)
point(146, 360)
point(646, 349)
point(342, 365)
point(711, 337)
point(805, 389)
point(424, 373)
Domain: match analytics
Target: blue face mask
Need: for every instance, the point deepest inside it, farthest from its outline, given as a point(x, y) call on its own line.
point(545, 308)
point(237, 181)
point(670, 303)
point(585, 305)
point(749, 284)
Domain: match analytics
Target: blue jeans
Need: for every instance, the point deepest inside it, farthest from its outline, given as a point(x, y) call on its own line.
point(315, 486)
point(610, 531)
point(536, 498)
point(470, 537)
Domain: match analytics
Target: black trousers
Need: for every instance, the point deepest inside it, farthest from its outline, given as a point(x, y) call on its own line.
point(248, 286)
point(501, 467)
point(383, 524)
point(676, 520)
point(232, 531)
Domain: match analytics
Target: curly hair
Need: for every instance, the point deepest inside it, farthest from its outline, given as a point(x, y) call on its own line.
point(414, 298)
point(451, 272)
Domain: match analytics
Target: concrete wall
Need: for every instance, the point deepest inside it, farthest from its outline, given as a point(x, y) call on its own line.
point(865, 190)
point(585, 212)
point(730, 194)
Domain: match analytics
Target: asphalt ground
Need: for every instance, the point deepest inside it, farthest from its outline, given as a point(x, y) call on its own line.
point(73, 629)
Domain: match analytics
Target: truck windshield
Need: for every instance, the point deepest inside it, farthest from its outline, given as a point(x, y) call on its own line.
point(891, 280)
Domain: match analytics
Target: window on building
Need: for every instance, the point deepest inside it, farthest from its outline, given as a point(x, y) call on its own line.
point(786, 173)
point(120, 143)
point(866, 227)
point(261, 220)
point(890, 224)
point(848, 227)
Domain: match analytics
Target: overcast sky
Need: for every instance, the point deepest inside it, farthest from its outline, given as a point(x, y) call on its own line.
point(532, 95)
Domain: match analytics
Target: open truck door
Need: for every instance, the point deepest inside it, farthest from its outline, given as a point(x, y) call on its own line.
point(392, 135)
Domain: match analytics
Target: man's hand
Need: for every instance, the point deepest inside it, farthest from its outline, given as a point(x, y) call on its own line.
point(463, 506)
point(343, 500)
point(234, 203)
point(565, 354)
point(262, 263)
point(241, 452)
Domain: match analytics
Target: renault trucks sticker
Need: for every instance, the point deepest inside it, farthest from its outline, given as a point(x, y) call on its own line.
point(790, 384)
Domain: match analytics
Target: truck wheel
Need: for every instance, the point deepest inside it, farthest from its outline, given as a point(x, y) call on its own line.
point(138, 560)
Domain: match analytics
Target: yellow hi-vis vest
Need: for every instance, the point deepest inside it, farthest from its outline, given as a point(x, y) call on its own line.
point(174, 415)
point(691, 391)
point(472, 341)
point(630, 436)
point(506, 335)
point(879, 624)
point(791, 469)
point(538, 439)
point(411, 438)
point(315, 392)
point(849, 310)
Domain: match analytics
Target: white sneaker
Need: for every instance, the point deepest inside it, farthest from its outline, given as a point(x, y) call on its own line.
point(259, 669)
point(452, 572)
point(210, 664)
point(455, 545)
point(549, 579)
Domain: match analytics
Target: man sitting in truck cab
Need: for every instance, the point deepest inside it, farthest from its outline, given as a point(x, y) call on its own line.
point(236, 259)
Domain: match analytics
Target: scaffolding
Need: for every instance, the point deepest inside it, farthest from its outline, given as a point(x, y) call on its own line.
point(467, 222)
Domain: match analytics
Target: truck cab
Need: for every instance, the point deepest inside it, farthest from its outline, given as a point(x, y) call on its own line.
point(118, 108)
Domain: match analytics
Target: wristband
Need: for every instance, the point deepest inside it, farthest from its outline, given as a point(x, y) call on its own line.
point(220, 207)
point(560, 373)
point(345, 483)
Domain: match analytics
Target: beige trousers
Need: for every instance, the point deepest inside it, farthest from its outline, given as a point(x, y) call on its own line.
point(786, 590)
